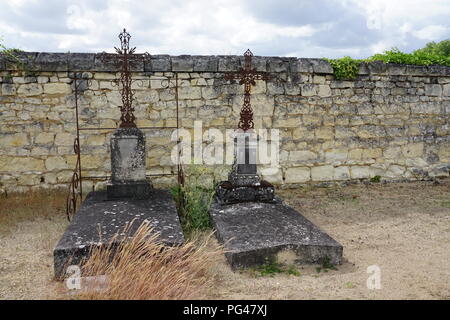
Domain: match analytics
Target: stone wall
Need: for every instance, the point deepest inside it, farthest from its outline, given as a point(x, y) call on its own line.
point(392, 122)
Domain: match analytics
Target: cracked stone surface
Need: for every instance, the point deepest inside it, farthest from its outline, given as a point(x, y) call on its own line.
point(99, 219)
point(255, 231)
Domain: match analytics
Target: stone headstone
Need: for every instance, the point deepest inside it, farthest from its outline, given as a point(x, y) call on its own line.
point(128, 168)
point(244, 184)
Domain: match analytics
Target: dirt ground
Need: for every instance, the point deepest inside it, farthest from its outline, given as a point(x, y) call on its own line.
point(402, 228)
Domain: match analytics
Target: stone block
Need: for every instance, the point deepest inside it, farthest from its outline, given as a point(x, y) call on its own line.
point(321, 66)
point(360, 172)
point(30, 89)
point(81, 61)
point(446, 90)
point(322, 173)
point(64, 139)
point(13, 140)
point(229, 63)
point(183, 63)
point(341, 173)
point(205, 64)
point(298, 175)
point(277, 65)
point(433, 90)
point(52, 61)
point(56, 163)
point(300, 65)
point(57, 88)
point(8, 89)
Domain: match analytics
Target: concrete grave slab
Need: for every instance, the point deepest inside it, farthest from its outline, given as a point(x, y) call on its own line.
point(256, 231)
point(99, 217)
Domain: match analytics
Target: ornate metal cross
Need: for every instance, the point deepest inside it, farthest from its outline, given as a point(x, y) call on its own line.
point(247, 77)
point(124, 56)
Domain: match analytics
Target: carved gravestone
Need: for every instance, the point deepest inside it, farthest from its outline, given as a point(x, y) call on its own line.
point(244, 184)
point(128, 165)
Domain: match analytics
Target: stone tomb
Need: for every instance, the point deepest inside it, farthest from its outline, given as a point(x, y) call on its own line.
point(255, 226)
point(99, 219)
point(129, 198)
point(253, 232)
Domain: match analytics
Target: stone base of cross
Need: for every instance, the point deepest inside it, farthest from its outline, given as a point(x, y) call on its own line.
point(244, 184)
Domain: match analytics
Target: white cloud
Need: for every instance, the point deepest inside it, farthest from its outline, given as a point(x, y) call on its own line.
point(224, 26)
point(433, 32)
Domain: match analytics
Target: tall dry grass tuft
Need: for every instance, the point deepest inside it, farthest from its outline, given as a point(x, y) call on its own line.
point(142, 268)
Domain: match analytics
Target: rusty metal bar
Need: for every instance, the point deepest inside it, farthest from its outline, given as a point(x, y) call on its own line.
point(82, 129)
point(76, 184)
point(246, 76)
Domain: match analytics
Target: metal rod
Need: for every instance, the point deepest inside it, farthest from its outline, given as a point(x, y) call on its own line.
point(78, 135)
point(81, 129)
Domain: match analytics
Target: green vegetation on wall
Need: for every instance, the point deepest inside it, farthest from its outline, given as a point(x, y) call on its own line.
point(347, 68)
point(11, 55)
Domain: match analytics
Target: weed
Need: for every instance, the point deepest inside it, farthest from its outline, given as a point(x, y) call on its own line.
point(445, 204)
point(375, 179)
point(271, 267)
point(194, 197)
point(325, 265)
point(350, 285)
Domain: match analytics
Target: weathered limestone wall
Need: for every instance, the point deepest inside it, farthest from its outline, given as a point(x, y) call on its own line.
point(393, 121)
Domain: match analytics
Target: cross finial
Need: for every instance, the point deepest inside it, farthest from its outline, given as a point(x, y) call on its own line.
point(246, 76)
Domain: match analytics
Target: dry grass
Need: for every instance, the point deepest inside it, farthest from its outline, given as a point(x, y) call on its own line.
point(30, 225)
point(142, 268)
point(20, 207)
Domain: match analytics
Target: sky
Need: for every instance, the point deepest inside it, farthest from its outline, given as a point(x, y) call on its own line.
point(294, 28)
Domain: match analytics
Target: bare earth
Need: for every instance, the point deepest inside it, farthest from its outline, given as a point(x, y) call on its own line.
point(403, 228)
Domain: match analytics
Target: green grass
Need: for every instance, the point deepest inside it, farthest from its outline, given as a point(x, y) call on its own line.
point(349, 285)
point(445, 204)
point(326, 265)
point(272, 268)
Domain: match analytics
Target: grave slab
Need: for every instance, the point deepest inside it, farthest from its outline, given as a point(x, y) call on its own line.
point(254, 232)
point(99, 219)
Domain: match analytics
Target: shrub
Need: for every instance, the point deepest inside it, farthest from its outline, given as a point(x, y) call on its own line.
point(345, 68)
point(143, 268)
point(441, 48)
point(416, 58)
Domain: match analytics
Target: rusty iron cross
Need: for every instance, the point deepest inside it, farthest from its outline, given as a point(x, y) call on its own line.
point(246, 76)
point(124, 55)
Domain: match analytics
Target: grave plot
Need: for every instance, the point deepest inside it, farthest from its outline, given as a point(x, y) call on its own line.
point(253, 224)
point(129, 199)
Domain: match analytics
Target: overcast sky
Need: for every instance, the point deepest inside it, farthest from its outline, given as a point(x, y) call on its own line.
point(301, 28)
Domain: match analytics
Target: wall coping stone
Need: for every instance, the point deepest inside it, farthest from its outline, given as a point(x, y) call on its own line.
point(63, 62)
